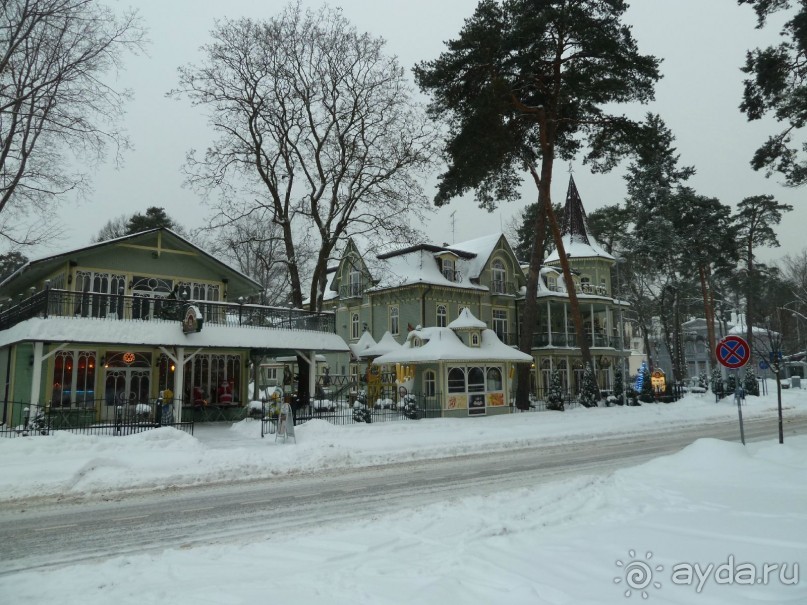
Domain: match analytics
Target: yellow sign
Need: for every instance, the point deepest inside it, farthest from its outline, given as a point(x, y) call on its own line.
point(658, 381)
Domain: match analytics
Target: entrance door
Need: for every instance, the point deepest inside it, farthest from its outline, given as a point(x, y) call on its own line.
point(126, 387)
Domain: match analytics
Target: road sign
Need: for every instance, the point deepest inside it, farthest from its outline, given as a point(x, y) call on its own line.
point(733, 352)
point(764, 365)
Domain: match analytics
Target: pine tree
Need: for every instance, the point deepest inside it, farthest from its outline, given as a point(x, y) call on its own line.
point(619, 386)
point(590, 393)
point(703, 381)
point(750, 383)
point(731, 384)
point(554, 396)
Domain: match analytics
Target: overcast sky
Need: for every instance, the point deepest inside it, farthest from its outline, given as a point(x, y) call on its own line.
point(702, 44)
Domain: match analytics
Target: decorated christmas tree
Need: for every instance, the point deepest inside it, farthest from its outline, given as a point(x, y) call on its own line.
point(590, 392)
point(646, 391)
point(554, 396)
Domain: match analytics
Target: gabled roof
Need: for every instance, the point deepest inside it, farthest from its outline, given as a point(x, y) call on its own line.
point(577, 240)
point(38, 269)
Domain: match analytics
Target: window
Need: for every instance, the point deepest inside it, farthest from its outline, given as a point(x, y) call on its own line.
point(475, 339)
point(476, 380)
point(494, 379)
point(93, 284)
point(442, 316)
point(500, 324)
point(448, 269)
point(213, 379)
point(456, 380)
point(73, 379)
point(354, 281)
point(429, 383)
point(354, 326)
point(585, 283)
point(552, 282)
point(393, 320)
point(498, 285)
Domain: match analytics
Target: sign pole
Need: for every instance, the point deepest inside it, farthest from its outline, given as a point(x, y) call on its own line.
point(738, 398)
point(733, 352)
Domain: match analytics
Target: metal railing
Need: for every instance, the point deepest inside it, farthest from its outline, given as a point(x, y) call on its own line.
point(561, 339)
point(25, 419)
point(503, 287)
point(64, 303)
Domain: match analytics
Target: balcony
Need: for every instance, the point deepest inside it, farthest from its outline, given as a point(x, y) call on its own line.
point(502, 287)
point(351, 291)
point(559, 339)
point(452, 275)
point(63, 303)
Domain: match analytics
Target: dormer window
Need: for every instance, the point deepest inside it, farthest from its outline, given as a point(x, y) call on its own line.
point(475, 339)
point(552, 283)
point(354, 281)
point(449, 269)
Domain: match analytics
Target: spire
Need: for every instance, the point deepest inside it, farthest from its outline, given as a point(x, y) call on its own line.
point(574, 216)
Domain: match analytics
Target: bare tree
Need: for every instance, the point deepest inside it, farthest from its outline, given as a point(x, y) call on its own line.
point(254, 245)
point(318, 125)
point(54, 101)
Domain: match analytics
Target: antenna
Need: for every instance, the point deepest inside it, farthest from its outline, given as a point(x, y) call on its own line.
point(453, 227)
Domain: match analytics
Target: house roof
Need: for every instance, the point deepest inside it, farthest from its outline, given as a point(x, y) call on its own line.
point(35, 270)
point(387, 344)
point(443, 344)
point(577, 239)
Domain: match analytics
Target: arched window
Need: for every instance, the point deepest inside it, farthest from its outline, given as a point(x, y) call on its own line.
point(429, 383)
point(393, 320)
point(442, 316)
point(456, 380)
point(354, 281)
point(498, 285)
point(476, 380)
point(354, 326)
point(494, 379)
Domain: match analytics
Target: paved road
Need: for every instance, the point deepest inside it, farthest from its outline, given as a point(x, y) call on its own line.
point(40, 534)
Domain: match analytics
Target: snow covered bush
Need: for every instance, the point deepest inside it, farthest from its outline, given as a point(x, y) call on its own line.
point(323, 405)
point(408, 405)
point(619, 388)
point(361, 413)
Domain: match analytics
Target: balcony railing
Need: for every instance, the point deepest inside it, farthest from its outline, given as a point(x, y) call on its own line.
point(560, 339)
point(351, 291)
point(64, 303)
point(502, 287)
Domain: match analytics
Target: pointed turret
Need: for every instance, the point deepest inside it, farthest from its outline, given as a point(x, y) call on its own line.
point(577, 240)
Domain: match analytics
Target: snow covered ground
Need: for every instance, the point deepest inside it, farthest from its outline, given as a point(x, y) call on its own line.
point(714, 523)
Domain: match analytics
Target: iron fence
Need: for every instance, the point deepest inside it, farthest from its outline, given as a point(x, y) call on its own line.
point(65, 303)
point(25, 419)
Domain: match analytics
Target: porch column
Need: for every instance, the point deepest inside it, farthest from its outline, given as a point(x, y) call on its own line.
point(36, 376)
point(591, 323)
point(566, 324)
point(179, 379)
point(312, 375)
point(548, 323)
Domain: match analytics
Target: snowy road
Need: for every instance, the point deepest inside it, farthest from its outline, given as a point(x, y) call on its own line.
point(67, 532)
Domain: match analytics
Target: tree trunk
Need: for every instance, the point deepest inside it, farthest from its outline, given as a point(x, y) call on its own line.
point(750, 298)
point(709, 312)
point(530, 310)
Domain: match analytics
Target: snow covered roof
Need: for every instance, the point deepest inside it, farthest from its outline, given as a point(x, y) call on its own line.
point(577, 240)
point(387, 344)
point(365, 342)
point(40, 268)
point(481, 248)
point(443, 344)
point(466, 321)
point(418, 266)
point(169, 334)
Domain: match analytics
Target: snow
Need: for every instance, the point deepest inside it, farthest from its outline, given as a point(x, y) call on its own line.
point(573, 540)
point(387, 344)
point(467, 321)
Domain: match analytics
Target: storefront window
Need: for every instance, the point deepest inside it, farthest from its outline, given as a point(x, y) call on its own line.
point(456, 380)
point(494, 379)
point(213, 379)
point(74, 379)
point(476, 380)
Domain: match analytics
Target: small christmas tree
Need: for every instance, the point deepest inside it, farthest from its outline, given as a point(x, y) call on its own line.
point(554, 396)
point(646, 393)
point(717, 382)
point(590, 392)
point(750, 384)
point(619, 387)
point(731, 384)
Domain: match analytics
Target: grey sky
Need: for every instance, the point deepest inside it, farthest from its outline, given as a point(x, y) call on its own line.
point(702, 42)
